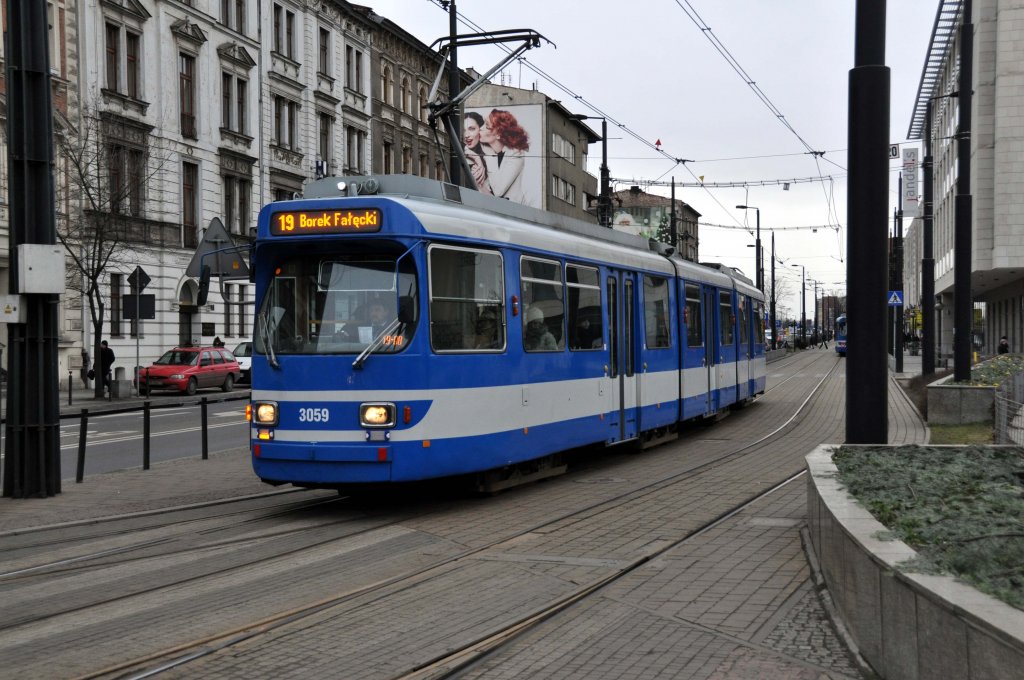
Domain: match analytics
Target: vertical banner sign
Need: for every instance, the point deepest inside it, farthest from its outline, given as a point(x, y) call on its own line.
point(911, 195)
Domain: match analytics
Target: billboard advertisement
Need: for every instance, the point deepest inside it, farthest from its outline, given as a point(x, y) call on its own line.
point(504, 146)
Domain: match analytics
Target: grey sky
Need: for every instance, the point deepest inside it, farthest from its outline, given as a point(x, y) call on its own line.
point(647, 65)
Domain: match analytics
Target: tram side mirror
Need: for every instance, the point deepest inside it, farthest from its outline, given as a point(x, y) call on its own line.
point(204, 285)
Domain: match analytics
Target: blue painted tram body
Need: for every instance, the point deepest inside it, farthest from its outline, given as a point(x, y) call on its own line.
point(840, 339)
point(503, 335)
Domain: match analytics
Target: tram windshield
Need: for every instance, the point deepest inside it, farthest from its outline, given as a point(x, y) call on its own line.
point(841, 327)
point(338, 304)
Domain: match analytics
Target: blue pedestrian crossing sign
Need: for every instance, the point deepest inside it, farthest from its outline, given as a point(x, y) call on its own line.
point(895, 298)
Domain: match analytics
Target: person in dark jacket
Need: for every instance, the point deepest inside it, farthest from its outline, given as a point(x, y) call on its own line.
point(106, 363)
point(1004, 345)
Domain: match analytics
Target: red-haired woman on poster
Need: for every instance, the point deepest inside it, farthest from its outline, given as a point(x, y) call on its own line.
point(505, 142)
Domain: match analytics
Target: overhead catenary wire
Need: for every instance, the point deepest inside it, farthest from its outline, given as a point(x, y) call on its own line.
point(677, 161)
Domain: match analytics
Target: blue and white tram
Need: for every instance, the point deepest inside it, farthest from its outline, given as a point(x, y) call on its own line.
point(407, 329)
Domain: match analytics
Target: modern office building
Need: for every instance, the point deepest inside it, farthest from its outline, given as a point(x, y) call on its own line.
point(996, 167)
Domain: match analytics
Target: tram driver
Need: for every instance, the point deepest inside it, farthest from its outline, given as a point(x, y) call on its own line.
point(367, 324)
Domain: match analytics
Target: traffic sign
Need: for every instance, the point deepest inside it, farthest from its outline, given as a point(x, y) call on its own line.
point(138, 306)
point(217, 250)
point(895, 298)
point(894, 152)
point(138, 279)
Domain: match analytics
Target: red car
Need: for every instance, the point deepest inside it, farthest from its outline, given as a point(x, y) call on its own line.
point(187, 369)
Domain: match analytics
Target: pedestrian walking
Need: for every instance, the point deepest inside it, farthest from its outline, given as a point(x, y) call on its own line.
point(106, 363)
point(1004, 345)
point(824, 341)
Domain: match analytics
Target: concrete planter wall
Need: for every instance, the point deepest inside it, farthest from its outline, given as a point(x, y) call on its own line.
point(907, 626)
point(959, 404)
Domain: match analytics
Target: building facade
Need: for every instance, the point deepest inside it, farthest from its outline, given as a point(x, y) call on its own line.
point(638, 212)
point(402, 72)
point(996, 163)
point(182, 111)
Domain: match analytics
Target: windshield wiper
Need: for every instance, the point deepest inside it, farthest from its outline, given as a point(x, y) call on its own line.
point(267, 345)
point(377, 342)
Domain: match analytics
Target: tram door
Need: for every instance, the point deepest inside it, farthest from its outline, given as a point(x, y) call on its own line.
point(727, 352)
point(743, 371)
point(711, 335)
point(622, 352)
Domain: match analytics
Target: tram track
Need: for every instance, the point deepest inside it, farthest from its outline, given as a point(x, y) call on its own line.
point(190, 652)
point(455, 661)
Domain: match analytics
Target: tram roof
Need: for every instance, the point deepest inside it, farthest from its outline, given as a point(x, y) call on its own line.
point(410, 187)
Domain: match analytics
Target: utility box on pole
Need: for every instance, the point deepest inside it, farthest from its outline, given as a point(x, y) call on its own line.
point(40, 269)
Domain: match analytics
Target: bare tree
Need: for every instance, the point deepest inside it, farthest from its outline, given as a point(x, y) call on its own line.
point(783, 289)
point(108, 163)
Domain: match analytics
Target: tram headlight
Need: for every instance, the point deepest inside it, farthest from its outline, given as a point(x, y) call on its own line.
point(377, 415)
point(265, 413)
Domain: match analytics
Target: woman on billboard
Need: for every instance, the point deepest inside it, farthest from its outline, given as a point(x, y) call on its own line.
point(472, 124)
point(505, 144)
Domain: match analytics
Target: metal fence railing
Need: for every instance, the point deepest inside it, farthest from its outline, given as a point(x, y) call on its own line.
point(1009, 412)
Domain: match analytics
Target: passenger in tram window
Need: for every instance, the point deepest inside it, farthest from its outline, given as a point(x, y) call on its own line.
point(487, 334)
point(536, 335)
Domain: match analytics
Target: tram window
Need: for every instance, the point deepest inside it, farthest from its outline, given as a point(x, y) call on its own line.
point(338, 305)
point(583, 292)
point(726, 319)
point(656, 312)
point(694, 330)
point(467, 291)
point(759, 322)
point(543, 307)
point(744, 320)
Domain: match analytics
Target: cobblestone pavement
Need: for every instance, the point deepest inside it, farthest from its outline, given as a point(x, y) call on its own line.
point(736, 601)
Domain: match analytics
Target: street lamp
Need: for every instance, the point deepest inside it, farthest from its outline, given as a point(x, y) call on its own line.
point(803, 303)
point(604, 201)
point(759, 275)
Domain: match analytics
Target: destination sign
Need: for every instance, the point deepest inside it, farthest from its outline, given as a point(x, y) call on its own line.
point(303, 222)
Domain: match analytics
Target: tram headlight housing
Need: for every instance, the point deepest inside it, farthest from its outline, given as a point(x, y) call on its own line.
point(265, 413)
point(377, 414)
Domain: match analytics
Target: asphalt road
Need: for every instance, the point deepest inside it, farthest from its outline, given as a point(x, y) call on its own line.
point(115, 441)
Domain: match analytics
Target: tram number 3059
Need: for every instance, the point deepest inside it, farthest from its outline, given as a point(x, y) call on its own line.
point(314, 415)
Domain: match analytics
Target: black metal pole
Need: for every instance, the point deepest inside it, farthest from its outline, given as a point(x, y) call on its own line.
point(803, 306)
point(890, 321)
point(672, 219)
point(605, 200)
point(83, 431)
point(867, 374)
point(898, 310)
point(454, 87)
point(963, 303)
point(145, 435)
point(206, 443)
point(817, 326)
point(70, 378)
point(775, 331)
point(758, 269)
point(32, 431)
point(928, 257)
